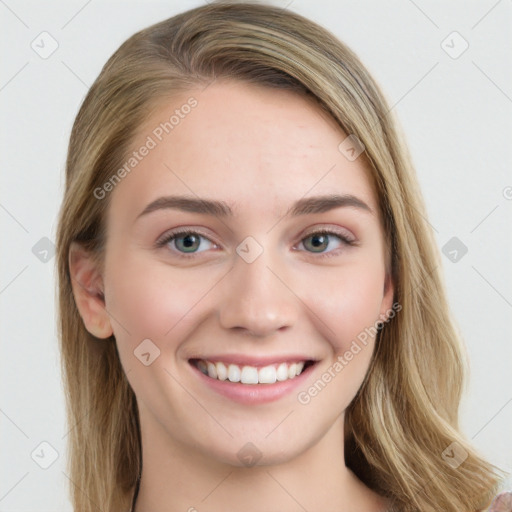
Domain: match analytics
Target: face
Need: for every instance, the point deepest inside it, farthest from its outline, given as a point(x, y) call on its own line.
point(265, 276)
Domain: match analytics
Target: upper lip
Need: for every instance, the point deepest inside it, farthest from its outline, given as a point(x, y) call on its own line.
point(244, 359)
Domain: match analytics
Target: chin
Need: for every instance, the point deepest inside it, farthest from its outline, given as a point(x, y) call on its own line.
point(250, 454)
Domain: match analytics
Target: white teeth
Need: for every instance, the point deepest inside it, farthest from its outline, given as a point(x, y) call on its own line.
point(282, 372)
point(222, 371)
point(267, 375)
point(234, 373)
point(212, 370)
point(250, 374)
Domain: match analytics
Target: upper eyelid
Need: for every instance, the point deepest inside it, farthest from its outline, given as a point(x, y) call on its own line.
point(331, 230)
point(176, 233)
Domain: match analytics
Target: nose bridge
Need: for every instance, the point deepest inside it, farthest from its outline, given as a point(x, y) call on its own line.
point(255, 297)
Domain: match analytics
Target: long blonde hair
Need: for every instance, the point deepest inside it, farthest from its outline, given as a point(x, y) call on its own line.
point(405, 415)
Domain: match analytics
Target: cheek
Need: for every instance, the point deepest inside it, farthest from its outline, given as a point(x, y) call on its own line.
point(349, 306)
point(149, 300)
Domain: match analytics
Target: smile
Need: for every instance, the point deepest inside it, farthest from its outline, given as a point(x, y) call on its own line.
point(246, 374)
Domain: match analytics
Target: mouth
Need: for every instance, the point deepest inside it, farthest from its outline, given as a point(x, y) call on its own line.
point(252, 375)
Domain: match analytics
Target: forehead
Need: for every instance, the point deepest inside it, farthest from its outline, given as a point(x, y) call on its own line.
point(254, 147)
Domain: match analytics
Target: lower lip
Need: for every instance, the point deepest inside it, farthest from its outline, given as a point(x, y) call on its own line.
point(254, 393)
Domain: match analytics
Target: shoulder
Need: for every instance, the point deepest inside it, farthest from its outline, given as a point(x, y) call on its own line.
point(502, 502)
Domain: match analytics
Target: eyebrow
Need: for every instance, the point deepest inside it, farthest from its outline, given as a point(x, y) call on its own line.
point(304, 206)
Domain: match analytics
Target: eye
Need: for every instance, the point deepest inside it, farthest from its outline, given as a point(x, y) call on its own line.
point(321, 239)
point(184, 240)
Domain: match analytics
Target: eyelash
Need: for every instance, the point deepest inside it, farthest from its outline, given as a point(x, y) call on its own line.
point(178, 233)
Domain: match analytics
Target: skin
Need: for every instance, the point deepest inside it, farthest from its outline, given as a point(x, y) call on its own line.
point(259, 150)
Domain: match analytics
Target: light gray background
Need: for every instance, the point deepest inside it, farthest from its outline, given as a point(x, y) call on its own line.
point(456, 114)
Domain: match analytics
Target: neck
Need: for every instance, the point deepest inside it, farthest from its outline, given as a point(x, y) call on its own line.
point(180, 479)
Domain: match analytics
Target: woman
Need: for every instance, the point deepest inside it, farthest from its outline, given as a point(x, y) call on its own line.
point(214, 357)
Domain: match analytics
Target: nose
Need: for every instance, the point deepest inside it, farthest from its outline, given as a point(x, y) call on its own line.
point(258, 298)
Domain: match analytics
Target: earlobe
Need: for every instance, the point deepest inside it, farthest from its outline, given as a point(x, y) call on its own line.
point(88, 290)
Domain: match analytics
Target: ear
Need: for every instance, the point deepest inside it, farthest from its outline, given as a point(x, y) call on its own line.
point(88, 290)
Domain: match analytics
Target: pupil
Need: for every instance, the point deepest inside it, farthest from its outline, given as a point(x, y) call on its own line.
point(189, 240)
point(320, 239)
